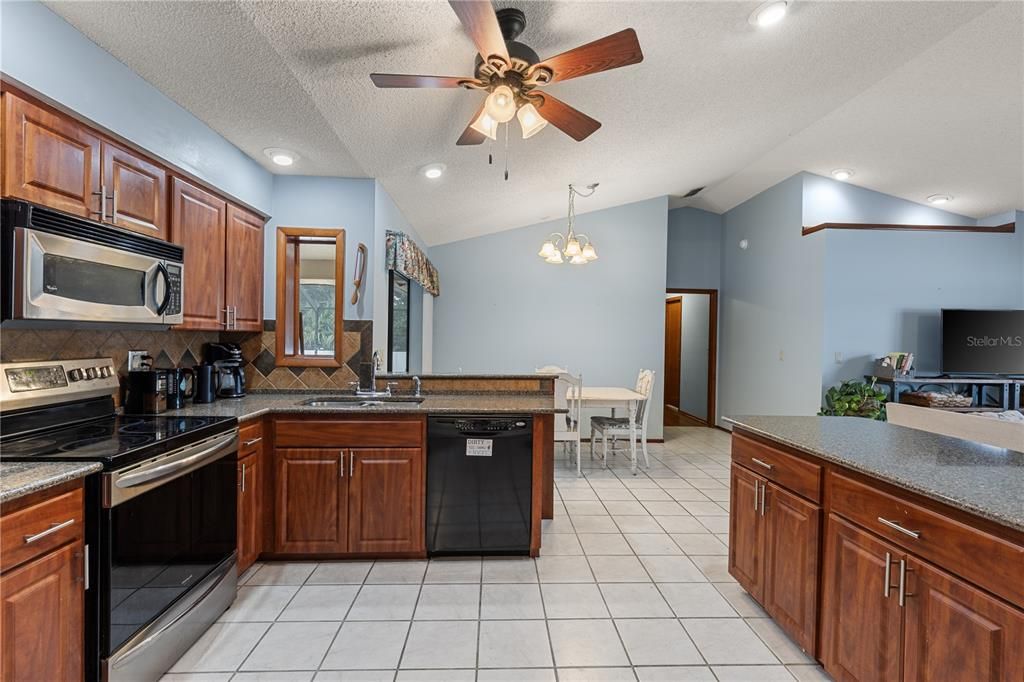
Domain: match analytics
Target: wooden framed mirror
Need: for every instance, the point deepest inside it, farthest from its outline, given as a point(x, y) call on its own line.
point(310, 296)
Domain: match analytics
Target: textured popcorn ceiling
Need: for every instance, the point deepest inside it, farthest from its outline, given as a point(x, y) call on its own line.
point(918, 97)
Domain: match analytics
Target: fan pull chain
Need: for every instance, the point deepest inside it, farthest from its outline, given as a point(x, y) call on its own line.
point(507, 126)
point(490, 153)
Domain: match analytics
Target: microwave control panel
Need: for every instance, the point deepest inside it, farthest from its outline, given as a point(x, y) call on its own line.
point(174, 281)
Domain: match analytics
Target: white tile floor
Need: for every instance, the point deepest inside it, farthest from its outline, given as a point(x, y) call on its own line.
point(632, 584)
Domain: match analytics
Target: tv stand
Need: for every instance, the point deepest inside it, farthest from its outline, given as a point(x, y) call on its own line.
point(987, 392)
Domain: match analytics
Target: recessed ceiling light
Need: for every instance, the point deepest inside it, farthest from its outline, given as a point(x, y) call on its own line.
point(842, 174)
point(434, 170)
point(939, 199)
point(769, 13)
point(282, 157)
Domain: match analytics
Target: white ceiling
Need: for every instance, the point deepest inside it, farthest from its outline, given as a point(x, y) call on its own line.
point(917, 97)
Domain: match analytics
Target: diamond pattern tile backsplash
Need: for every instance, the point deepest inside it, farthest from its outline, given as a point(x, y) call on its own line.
point(174, 348)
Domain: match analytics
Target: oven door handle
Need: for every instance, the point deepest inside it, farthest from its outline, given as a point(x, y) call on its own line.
point(161, 269)
point(122, 487)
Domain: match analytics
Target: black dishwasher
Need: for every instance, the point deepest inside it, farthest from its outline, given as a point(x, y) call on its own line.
point(479, 480)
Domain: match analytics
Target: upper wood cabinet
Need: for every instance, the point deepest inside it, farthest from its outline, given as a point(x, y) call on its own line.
point(50, 159)
point(243, 268)
point(198, 224)
point(136, 192)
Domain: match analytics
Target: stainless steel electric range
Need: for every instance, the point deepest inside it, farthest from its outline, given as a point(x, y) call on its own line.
point(160, 517)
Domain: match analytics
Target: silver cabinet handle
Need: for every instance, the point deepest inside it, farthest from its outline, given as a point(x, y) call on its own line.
point(756, 484)
point(113, 208)
point(227, 319)
point(341, 464)
point(902, 582)
point(888, 574)
point(243, 477)
point(766, 465)
point(895, 526)
point(247, 443)
point(103, 202)
point(54, 527)
point(352, 465)
point(764, 488)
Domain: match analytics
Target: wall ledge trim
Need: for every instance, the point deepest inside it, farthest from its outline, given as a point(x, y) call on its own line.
point(1000, 229)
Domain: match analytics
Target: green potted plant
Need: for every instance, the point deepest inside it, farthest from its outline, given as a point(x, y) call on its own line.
point(854, 399)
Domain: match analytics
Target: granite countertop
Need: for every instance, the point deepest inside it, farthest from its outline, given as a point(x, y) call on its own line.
point(18, 479)
point(980, 479)
point(289, 403)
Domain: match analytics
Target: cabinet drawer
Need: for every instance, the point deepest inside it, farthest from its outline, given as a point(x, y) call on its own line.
point(250, 438)
point(362, 433)
point(35, 530)
point(980, 557)
point(788, 471)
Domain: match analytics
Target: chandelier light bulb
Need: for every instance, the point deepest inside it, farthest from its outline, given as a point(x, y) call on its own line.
point(547, 250)
point(485, 125)
point(578, 259)
point(501, 104)
point(589, 252)
point(556, 257)
point(573, 248)
point(530, 121)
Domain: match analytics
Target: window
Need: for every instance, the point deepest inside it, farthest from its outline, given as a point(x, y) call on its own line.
point(398, 323)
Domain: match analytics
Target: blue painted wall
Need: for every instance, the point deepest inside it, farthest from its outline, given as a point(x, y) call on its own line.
point(503, 309)
point(694, 249)
point(770, 308)
point(45, 53)
point(311, 201)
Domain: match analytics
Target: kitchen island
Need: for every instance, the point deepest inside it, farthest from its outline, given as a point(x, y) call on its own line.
point(883, 551)
point(334, 475)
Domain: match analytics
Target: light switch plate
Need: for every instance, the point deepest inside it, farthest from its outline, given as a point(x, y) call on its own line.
point(135, 359)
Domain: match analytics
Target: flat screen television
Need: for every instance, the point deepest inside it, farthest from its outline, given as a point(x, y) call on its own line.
point(983, 342)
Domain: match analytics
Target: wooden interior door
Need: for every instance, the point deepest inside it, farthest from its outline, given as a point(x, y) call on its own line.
point(42, 619)
point(250, 510)
point(386, 500)
point(746, 532)
point(792, 537)
point(198, 224)
point(311, 501)
point(50, 159)
point(861, 636)
point(138, 190)
point(673, 349)
point(954, 631)
point(243, 275)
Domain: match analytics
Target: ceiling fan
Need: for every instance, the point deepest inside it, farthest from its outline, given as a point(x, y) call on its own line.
point(512, 74)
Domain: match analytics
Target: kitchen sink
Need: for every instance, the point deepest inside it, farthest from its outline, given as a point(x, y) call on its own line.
point(363, 401)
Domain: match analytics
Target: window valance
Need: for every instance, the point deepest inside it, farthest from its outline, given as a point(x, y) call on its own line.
point(407, 258)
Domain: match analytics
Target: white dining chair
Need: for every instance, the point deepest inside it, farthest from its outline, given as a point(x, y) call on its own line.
point(551, 369)
point(568, 390)
point(618, 427)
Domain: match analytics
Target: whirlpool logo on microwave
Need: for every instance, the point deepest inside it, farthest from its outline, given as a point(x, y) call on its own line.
point(995, 341)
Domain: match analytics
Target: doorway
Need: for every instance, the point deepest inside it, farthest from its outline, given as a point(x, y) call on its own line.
point(691, 345)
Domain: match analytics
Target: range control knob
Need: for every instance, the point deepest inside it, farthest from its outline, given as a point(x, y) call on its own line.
point(90, 373)
point(75, 375)
point(105, 371)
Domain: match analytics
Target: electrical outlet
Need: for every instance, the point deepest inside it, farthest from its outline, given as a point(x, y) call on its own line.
point(839, 357)
point(135, 359)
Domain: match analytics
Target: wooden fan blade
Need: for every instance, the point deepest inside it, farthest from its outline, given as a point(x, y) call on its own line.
point(572, 122)
point(470, 136)
point(610, 52)
point(481, 23)
point(401, 80)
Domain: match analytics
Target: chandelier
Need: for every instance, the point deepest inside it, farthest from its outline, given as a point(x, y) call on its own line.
point(577, 249)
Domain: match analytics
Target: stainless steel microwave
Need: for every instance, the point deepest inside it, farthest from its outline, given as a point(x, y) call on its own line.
point(63, 269)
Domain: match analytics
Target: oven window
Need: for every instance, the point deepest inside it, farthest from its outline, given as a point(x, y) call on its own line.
point(83, 280)
point(165, 541)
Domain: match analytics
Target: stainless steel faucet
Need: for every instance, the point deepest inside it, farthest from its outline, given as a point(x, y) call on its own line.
point(374, 365)
point(416, 386)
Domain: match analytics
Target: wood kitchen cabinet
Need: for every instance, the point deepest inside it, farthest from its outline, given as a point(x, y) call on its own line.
point(42, 627)
point(746, 531)
point(50, 159)
point(385, 498)
point(311, 505)
point(250, 494)
point(243, 270)
point(136, 191)
point(198, 223)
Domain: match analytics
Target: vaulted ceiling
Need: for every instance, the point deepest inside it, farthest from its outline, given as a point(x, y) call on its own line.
point(918, 97)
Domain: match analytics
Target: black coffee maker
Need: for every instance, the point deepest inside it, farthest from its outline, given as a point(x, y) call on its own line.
point(226, 359)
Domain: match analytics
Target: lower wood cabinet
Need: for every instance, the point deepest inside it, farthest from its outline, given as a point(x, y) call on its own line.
point(250, 510)
point(385, 502)
point(311, 506)
point(42, 590)
point(774, 539)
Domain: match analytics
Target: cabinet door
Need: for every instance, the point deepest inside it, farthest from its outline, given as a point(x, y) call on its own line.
point(41, 627)
point(250, 510)
point(50, 159)
point(311, 503)
point(197, 223)
point(243, 278)
point(138, 192)
point(746, 532)
point(954, 631)
point(861, 638)
point(386, 500)
point(792, 535)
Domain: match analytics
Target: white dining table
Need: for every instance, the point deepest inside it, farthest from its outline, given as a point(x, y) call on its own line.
point(614, 397)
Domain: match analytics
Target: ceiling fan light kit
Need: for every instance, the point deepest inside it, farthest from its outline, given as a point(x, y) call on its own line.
point(575, 248)
point(512, 74)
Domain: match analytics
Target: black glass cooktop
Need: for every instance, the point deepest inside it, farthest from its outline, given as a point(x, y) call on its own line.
point(113, 440)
